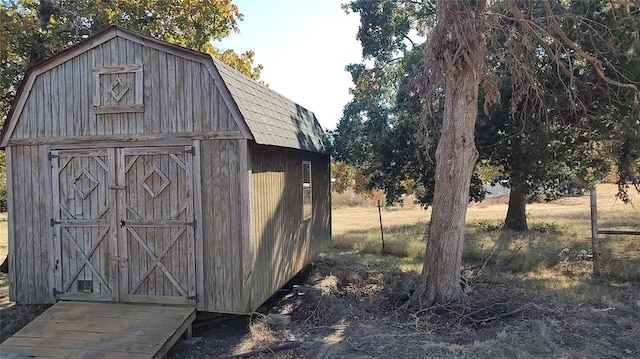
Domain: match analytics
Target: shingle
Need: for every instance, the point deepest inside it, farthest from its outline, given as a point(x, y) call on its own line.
point(272, 118)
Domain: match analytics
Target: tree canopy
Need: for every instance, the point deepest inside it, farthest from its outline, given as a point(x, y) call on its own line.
point(378, 129)
point(31, 31)
point(558, 85)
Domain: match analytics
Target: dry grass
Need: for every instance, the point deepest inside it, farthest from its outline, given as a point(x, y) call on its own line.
point(559, 239)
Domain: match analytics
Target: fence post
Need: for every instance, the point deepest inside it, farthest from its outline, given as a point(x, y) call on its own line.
point(595, 246)
point(381, 231)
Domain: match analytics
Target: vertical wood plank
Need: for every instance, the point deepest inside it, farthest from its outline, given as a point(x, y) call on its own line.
point(197, 204)
point(170, 91)
point(156, 89)
point(223, 220)
point(203, 111)
point(71, 93)
point(208, 243)
point(179, 93)
point(55, 102)
point(32, 118)
point(46, 106)
point(21, 239)
point(120, 237)
point(235, 241)
point(83, 93)
point(98, 61)
point(246, 203)
point(56, 251)
point(225, 120)
point(164, 95)
point(189, 97)
point(113, 246)
point(30, 248)
point(40, 259)
point(12, 218)
point(138, 126)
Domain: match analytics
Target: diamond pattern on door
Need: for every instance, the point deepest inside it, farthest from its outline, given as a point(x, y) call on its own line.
point(158, 224)
point(155, 182)
point(124, 224)
point(81, 224)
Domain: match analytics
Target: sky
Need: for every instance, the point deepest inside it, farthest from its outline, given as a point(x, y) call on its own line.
point(304, 46)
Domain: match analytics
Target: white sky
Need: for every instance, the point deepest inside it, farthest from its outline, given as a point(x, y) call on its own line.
point(304, 46)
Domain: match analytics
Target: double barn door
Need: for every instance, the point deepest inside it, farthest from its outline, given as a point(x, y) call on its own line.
point(124, 224)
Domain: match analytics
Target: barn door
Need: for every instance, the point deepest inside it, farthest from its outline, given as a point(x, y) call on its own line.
point(156, 220)
point(82, 221)
point(124, 224)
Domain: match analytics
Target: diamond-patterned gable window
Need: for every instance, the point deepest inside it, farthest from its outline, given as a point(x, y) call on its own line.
point(118, 89)
point(124, 84)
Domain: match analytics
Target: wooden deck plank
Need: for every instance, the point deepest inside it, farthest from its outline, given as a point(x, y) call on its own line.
point(69, 353)
point(122, 346)
point(105, 330)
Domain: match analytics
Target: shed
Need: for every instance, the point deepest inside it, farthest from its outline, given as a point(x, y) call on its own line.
point(141, 171)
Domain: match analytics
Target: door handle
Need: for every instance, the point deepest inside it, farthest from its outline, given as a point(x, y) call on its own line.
point(122, 223)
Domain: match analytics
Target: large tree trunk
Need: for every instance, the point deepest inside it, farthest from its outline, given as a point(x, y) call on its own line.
point(457, 43)
point(516, 213)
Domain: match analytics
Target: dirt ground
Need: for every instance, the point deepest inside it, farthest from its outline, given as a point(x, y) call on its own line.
point(355, 314)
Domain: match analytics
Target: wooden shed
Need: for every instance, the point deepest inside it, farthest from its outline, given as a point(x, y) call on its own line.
point(141, 171)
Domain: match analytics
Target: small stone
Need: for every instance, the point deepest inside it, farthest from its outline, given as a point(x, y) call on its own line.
point(279, 319)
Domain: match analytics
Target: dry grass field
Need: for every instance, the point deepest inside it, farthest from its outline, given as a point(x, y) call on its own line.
point(528, 295)
point(558, 230)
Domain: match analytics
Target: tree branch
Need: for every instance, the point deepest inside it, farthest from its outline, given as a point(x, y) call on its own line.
point(526, 26)
point(596, 63)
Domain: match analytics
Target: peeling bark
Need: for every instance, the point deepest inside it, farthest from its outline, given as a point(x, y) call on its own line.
point(457, 42)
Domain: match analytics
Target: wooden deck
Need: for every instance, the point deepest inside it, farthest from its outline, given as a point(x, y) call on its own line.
point(100, 330)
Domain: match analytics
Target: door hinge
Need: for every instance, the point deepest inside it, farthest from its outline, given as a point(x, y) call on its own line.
point(192, 151)
point(52, 156)
point(56, 292)
point(54, 222)
point(193, 224)
point(193, 297)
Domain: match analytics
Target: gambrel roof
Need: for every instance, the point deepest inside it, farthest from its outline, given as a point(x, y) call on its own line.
point(266, 116)
point(272, 118)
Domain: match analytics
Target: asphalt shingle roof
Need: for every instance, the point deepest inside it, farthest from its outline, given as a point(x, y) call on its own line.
point(272, 118)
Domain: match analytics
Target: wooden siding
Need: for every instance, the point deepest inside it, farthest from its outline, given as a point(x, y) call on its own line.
point(179, 95)
point(282, 242)
point(221, 226)
point(241, 273)
point(30, 230)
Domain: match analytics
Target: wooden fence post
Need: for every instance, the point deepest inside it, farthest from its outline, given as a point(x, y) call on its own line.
point(381, 230)
point(595, 246)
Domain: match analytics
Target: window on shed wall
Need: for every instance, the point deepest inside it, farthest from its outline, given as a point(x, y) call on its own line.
point(307, 198)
